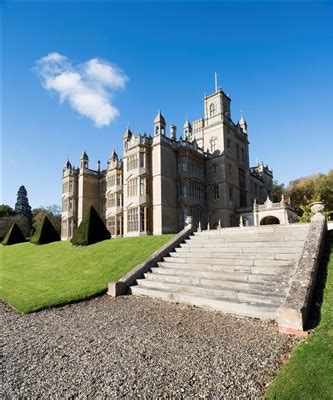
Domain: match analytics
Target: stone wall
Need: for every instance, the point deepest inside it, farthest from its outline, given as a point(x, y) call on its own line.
point(293, 314)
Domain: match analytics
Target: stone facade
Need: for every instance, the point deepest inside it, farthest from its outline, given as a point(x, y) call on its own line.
point(161, 180)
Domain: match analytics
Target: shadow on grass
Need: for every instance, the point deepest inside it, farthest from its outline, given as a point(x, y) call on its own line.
point(318, 294)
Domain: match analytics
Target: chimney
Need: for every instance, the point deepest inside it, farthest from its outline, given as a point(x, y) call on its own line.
point(173, 130)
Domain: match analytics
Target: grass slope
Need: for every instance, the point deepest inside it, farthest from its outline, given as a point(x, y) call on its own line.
point(37, 277)
point(309, 372)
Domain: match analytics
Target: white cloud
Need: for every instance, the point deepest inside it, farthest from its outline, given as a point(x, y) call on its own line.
point(87, 87)
point(105, 73)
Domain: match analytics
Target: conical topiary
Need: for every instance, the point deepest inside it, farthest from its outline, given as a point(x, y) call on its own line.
point(13, 236)
point(91, 230)
point(45, 232)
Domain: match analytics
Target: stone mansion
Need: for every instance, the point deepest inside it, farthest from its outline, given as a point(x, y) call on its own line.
point(161, 180)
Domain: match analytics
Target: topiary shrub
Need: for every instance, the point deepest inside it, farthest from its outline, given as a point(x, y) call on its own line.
point(45, 232)
point(91, 230)
point(14, 235)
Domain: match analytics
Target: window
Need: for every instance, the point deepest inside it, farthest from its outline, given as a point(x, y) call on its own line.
point(243, 155)
point(132, 162)
point(216, 192)
point(142, 186)
point(132, 220)
point(242, 188)
point(142, 219)
point(237, 151)
point(184, 164)
point(228, 144)
point(111, 202)
point(119, 180)
point(214, 168)
point(213, 144)
point(196, 190)
point(111, 180)
point(142, 160)
point(119, 225)
point(212, 109)
point(111, 225)
point(231, 193)
point(132, 187)
point(230, 169)
point(119, 200)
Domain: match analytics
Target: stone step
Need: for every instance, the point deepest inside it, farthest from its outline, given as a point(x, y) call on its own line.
point(226, 261)
point(258, 234)
point(242, 256)
point(245, 250)
point(262, 269)
point(243, 276)
point(211, 293)
point(243, 271)
point(249, 287)
point(263, 311)
point(229, 245)
point(247, 239)
point(294, 228)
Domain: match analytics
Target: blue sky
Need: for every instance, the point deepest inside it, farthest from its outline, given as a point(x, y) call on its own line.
point(275, 61)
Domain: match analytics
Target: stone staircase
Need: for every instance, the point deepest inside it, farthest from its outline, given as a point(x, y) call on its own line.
point(243, 271)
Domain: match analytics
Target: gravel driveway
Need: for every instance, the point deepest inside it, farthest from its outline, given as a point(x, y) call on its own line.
point(133, 347)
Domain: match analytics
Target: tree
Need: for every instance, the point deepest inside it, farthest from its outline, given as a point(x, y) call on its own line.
point(6, 211)
point(91, 230)
point(55, 209)
point(14, 235)
point(22, 205)
point(45, 232)
point(7, 221)
point(53, 213)
point(278, 191)
point(304, 191)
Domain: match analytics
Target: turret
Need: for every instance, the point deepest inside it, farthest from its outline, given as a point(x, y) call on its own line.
point(67, 166)
point(84, 160)
point(113, 159)
point(242, 123)
point(67, 170)
point(128, 134)
point(159, 124)
point(187, 129)
point(114, 156)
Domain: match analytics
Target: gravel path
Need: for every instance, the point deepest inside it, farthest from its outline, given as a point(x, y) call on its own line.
point(133, 347)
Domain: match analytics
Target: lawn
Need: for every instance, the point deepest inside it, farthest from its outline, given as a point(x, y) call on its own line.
point(36, 277)
point(309, 372)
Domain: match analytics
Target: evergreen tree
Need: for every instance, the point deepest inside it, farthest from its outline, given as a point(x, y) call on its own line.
point(22, 205)
point(45, 232)
point(14, 235)
point(91, 230)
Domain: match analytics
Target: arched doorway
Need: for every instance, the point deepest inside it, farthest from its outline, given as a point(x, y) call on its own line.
point(269, 220)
